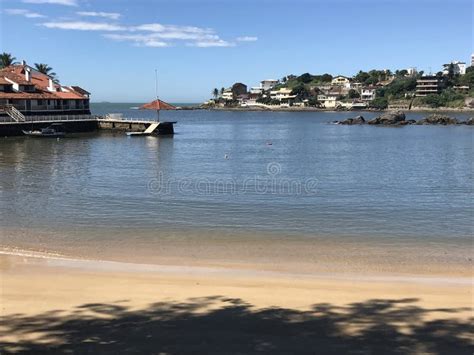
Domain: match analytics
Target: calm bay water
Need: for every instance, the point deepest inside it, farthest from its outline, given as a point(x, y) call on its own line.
point(276, 172)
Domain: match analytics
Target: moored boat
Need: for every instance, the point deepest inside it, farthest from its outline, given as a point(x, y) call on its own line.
point(56, 130)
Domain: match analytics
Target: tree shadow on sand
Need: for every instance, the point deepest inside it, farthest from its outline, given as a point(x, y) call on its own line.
point(219, 325)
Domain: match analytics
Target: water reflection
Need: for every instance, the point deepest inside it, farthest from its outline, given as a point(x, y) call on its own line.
point(414, 181)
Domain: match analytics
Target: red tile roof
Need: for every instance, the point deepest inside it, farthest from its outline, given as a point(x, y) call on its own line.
point(38, 95)
point(80, 90)
point(4, 81)
point(157, 105)
point(68, 95)
point(16, 73)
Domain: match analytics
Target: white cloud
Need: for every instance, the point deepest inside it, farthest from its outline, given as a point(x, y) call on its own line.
point(148, 35)
point(211, 43)
point(200, 37)
point(138, 39)
point(53, 2)
point(247, 39)
point(84, 26)
point(23, 12)
point(110, 15)
point(158, 27)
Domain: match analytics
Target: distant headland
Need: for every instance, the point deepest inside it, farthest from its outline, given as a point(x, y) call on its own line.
point(450, 89)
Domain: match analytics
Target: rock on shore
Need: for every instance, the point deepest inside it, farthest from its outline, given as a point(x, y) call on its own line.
point(390, 118)
point(438, 119)
point(351, 121)
point(397, 118)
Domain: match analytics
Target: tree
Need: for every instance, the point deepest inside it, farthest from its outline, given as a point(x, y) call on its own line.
point(326, 78)
point(301, 92)
point(305, 78)
point(379, 103)
point(445, 99)
point(6, 59)
point(222, 90)
point(399, 87)
point(361, 76)
point(468, 78)
point(401, 73)
point(353, 94)
point(215, 93)
point(264, 100)
point(47, 70)
point(313, 102)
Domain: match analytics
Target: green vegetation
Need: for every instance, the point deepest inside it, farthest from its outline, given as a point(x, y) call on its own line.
point(399, 88)
point(448, 98)
point(396, 89)
point(379, 103)
point(306, 79)
point(6, 59)
point(47, 70)
point(467, 79)
point(301, 92)
point(372, 77)
point(353, 94)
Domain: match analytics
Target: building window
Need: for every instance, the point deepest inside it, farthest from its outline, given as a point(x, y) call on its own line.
point(39, 102)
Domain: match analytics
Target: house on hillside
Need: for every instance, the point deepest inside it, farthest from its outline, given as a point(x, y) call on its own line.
point(239, 89)
point(368, 93)
point(227, 94)
point(256, 90)
point(31, 93)
point(243, 99)
point(355, 86)
point(462, 89)
point(412, 71)
point(341, 80)
point(268, 84)
point(328, 101)
point(458, 67)
point(429, 84)
point(284, 95)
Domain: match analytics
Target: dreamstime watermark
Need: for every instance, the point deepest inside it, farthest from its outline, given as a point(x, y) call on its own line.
point(271, 183)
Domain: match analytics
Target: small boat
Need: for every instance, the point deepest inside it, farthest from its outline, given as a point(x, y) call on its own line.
point(56, 130)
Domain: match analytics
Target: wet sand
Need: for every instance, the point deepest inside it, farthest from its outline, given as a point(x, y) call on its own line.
point(301, 255)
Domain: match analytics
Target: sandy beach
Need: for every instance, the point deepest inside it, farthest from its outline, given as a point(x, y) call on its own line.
point(55, 304)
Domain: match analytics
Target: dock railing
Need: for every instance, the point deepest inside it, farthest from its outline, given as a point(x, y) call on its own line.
point(47, 118)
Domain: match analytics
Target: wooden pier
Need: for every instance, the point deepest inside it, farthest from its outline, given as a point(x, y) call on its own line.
point(135, 125)
point(10, 126)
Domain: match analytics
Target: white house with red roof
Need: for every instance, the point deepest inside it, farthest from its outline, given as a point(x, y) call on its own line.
point(34, 94)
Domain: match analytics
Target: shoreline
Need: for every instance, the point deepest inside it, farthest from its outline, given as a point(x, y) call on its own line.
point(107, 266)
point(303, 255)
point(314, 109)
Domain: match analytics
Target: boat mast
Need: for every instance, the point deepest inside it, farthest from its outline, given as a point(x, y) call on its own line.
point(157, 98)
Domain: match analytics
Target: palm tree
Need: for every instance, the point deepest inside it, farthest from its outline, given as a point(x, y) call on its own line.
point(47, 70)
point(222, 90)
point(6, 59)
point(215, 93)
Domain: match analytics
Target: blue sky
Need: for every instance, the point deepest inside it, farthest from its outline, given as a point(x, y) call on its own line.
point(112, 47)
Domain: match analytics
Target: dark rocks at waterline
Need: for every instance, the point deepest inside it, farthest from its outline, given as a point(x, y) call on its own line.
point(437, 119)
point(352, 121)
point(389, 118)
point(398, 119)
